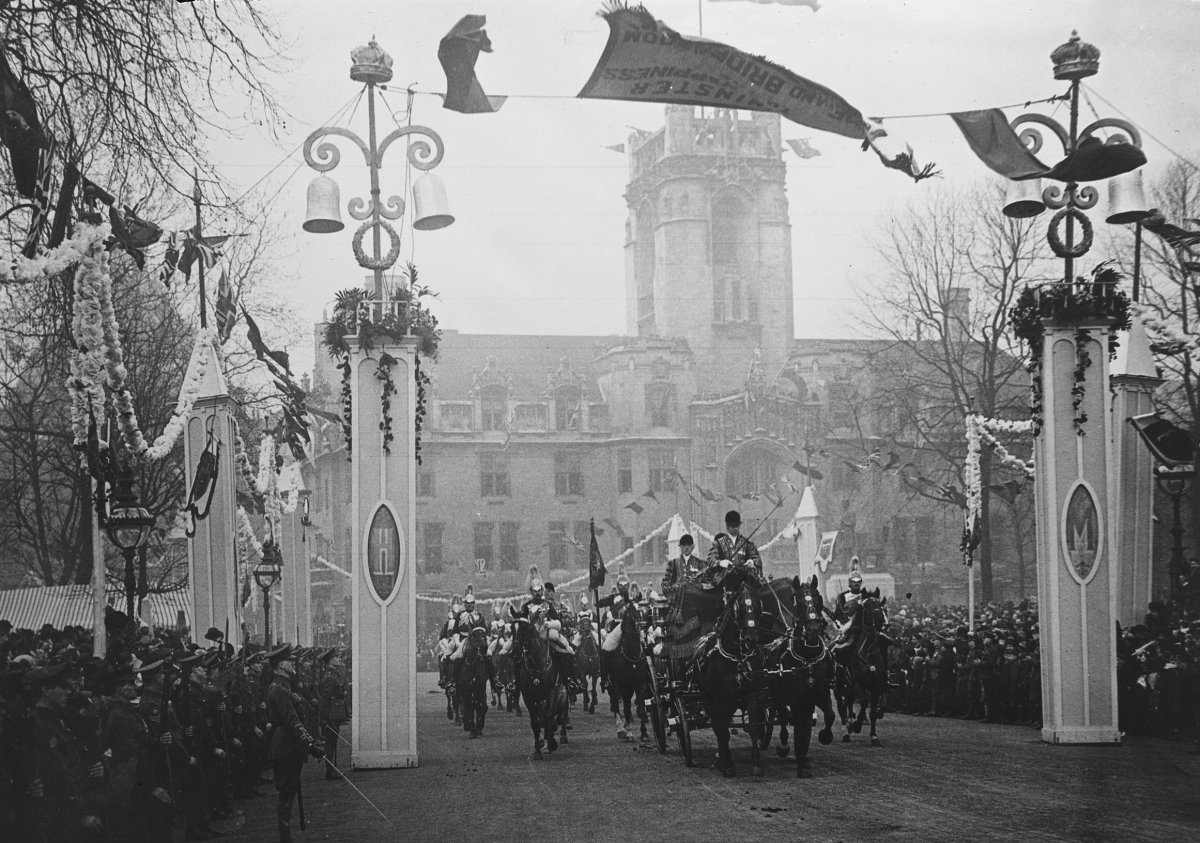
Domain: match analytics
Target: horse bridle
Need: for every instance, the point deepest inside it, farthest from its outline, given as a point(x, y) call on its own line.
point(812, 616)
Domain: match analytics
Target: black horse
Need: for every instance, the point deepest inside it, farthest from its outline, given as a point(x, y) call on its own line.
point(801, 674)
point(539, 683)
point(629, 675)
point(446, 670)
point(861, 677)
point(473, 676)
point(587, 665)
point(730, 672)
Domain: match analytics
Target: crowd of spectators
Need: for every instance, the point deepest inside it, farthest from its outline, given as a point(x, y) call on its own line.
point(941, 668)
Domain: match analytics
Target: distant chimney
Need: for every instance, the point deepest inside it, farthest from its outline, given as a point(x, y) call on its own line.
point(958, 313)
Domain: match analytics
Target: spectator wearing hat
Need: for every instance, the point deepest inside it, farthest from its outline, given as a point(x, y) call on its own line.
point(290, 742)
point(334, 708)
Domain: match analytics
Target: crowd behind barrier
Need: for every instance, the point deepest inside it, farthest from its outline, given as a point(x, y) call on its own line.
point(158, 736)
point(942, 669)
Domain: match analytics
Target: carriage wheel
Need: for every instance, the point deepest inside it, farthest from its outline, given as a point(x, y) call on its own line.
point(658, 711)
point(683, 732)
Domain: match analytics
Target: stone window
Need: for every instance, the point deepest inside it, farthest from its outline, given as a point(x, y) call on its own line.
point(658, 404)
point(557, 544)
point(568, 474)
point(493, 404)
point(426, 487)
point(662, 470)
point(483, 540)
point(430, 536)
point(510, 546)
point(624, 471)
point(493, 475)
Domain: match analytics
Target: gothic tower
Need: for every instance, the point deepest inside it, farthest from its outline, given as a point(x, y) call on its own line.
point(708, 242)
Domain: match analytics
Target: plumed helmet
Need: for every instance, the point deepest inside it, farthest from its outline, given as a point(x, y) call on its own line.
point(534, 582)
point(622, 577)
point(855, 576)
point(469, 598)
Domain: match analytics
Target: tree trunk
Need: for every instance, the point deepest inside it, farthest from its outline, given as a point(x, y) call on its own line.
point(984, 556)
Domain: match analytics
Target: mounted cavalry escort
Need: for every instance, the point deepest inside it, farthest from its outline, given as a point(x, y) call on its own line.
point(538, 651)
point(861, 655)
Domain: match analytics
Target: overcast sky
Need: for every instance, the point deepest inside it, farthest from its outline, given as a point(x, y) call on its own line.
point(538, 242)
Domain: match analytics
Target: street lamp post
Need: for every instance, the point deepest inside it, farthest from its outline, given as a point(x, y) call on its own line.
point(1175, 482)
point(266, 575)
point(128, 524)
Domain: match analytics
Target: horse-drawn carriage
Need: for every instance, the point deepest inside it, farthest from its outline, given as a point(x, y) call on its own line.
point(740, 655)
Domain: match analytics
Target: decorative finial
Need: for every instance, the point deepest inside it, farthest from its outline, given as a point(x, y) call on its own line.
point(370, 64)
point(1075, 59)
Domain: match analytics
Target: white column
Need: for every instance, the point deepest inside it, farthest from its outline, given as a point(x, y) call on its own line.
point(1134, 380)
point(294, 583)
point(808, 539)
point(674, 535)
point(212, 551)
point(383, 552)
point(1076, 539)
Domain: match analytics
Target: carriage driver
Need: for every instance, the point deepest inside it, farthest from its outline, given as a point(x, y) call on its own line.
point(731, 548)
point(686, 568)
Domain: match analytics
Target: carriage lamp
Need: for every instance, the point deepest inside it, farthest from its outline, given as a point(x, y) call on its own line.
point(128, 525)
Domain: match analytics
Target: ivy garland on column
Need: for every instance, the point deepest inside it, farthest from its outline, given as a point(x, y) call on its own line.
point(354, 315)
point(384, 373)
point(1086, 300)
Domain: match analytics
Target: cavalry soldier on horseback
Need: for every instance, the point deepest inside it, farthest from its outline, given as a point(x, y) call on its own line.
point(468, 619)
point(538, 610)
point(845, 613)
point(731, 548)
point(447, 642)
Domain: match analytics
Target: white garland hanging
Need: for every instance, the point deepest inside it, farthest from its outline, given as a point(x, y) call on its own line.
point(23, 270)
point(980, 429)
point(197, 368)
point(84, 385)
point(623, 556)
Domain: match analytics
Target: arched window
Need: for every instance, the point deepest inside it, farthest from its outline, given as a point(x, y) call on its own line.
point(733, 258)
point(494, 406)
point(751, 470)
point(644, 269)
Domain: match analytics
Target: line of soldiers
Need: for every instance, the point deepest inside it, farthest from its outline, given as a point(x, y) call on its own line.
point(159, 733)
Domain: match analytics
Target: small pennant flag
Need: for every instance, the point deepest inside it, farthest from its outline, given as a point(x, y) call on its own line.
point(650, 494)
point(807, 472)
point(616, 147)
point(637, 508)
point(41, 198)
point(803, 148)
point(226, 309)
point(616, 525)
point(709, 495)
point(458, 52)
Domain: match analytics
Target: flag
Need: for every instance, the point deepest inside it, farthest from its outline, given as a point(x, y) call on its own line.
point(616, 147)
point(825, 549)
point(708, 495)
point(616, 525)
point(803, 148)
point(647, 61)
point(637, 508)
point(812, 4)
point(41, 199)
point(226, 309)
point(650, 494)
point(458, 52)
point(993, 140)
point(21, 130)
point(596, 570)
point(277, 361)
point(204, 250)
point(293, 427)
point(807, 472)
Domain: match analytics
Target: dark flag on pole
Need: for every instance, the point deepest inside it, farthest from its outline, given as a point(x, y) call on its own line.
point(226, 310)
point(20, 130)
point(458, 52)
point(596, 570)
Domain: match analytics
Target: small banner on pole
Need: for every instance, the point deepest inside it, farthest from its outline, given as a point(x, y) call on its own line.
point(825, 550)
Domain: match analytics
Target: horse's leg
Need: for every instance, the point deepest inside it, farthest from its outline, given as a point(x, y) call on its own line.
point(825, 736)
point(595, 696)
point(754, 713)
point(863, 695)
point(841, 692)
point(641, 712)
point(802, 720)
point(875, 713)
point(535, 724)
point(782, 716)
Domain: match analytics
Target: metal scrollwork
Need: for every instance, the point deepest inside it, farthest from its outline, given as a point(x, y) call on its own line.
point(327, 154)
point(365, 260)
point(422, 154)
point(362, 209)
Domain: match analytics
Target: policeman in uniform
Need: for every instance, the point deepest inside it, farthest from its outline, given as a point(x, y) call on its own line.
point(290, 743)
point(687, 568)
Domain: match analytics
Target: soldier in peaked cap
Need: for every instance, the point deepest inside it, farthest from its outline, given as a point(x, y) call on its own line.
point(731, 548)
point(334, 708)
point(290, 742)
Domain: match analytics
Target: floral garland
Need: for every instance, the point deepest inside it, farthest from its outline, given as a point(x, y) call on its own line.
point(347, 405)
point(242, 462)
point(114, 359)
point(87, 357)
point(422, 379)
point(197, 367)
point(23, 270)
point(384, 374)
point(1083, 361)
point(978, 431)
point(1162, 333)
point(248, 543)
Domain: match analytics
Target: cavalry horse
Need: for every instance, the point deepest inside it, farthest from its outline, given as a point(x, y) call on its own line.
point(730, 669)
point(629, 675)
point(587, 665)
point(446, 669)
point(539, 683)
point(504, 693)
point(473, 675)
point(801, 676)
point(861, 677)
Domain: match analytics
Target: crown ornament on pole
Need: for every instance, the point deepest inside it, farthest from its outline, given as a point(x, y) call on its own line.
point(371, 64)
point(1075, 59)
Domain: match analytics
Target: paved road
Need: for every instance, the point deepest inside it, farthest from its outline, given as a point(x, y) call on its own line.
point(931, 780)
